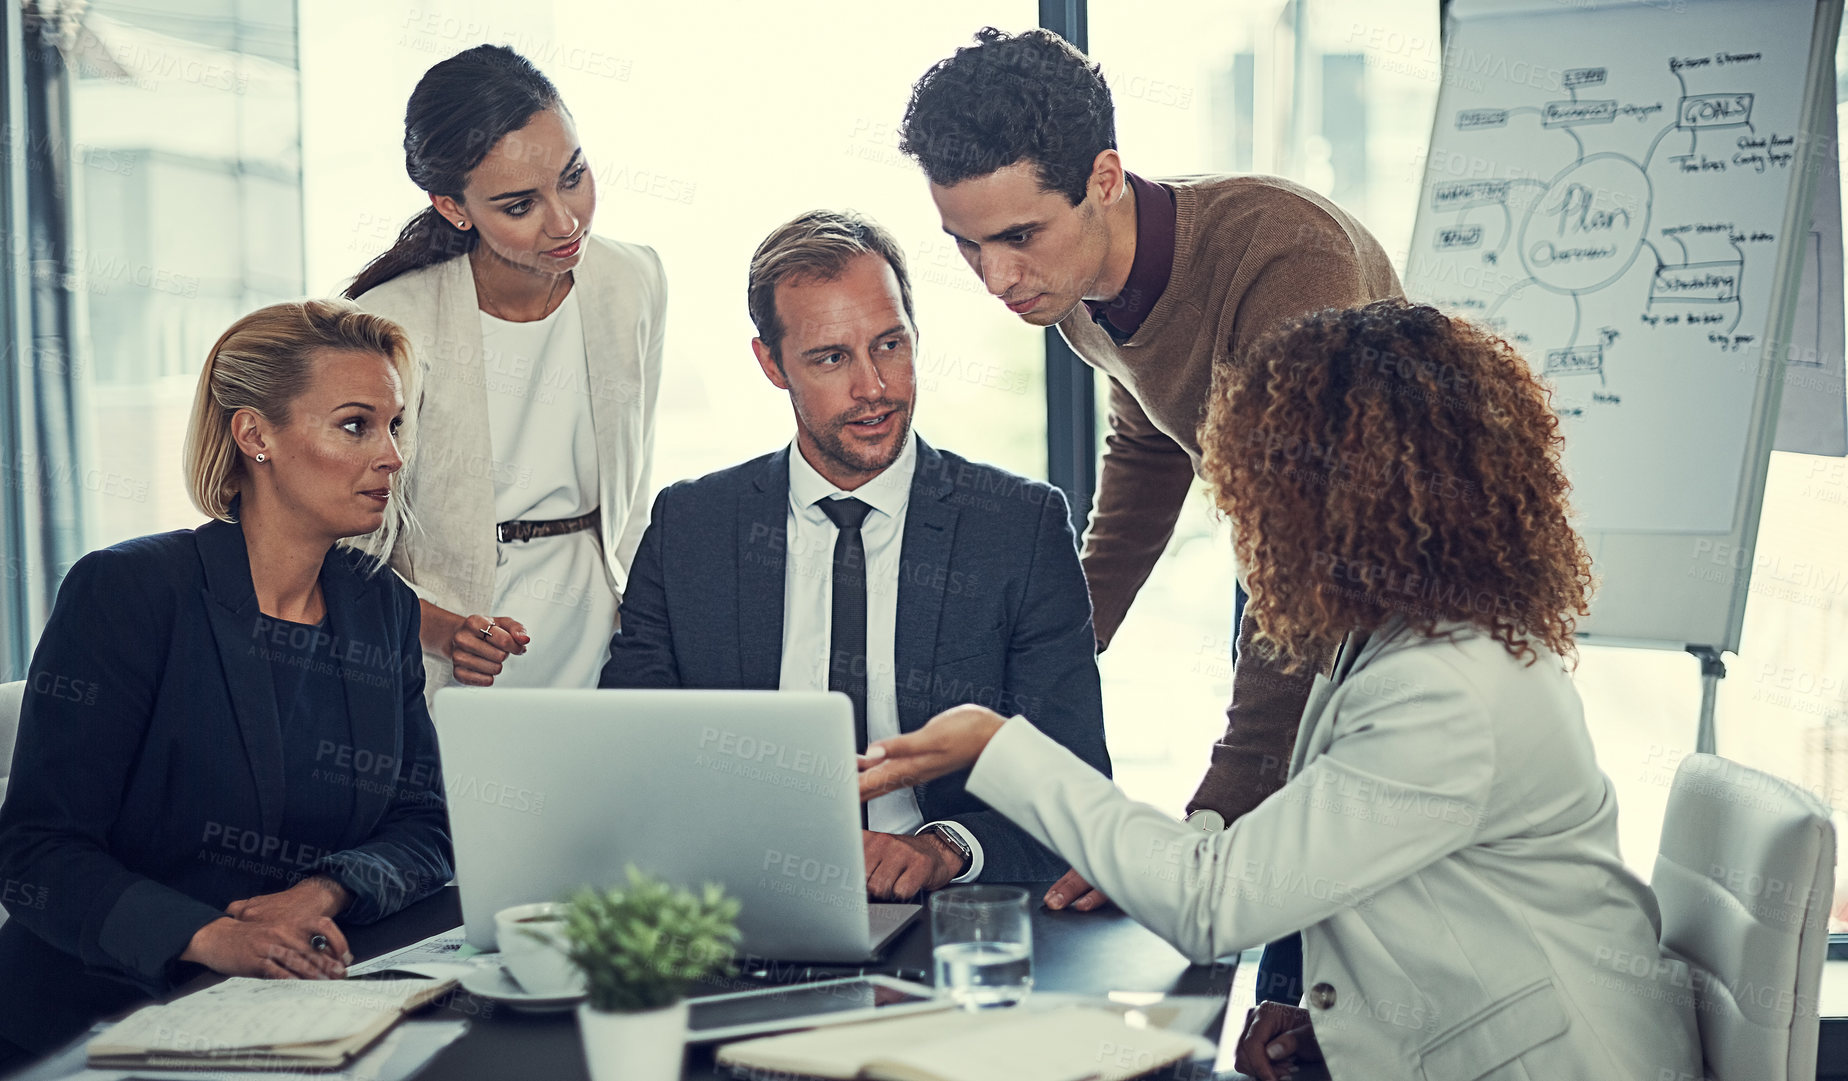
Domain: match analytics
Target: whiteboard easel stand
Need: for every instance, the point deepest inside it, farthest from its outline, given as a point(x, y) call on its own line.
point(1717, 617)
point(1712, 670)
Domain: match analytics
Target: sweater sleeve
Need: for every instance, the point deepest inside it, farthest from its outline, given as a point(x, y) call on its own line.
point(1252, 759)
point(1140, 490)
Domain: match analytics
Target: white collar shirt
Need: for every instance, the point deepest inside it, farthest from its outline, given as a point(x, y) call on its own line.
point(808, 595)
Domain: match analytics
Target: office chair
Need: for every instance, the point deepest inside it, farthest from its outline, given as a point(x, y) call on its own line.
point(1745, 876)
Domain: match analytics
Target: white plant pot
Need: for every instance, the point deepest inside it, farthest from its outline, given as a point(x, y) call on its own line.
point(643, 1046)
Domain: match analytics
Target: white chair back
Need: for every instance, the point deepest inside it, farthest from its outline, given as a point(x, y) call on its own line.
point(12, 696)
point(1745, 876)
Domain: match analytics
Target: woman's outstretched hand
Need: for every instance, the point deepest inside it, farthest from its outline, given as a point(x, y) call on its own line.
point(952, 740)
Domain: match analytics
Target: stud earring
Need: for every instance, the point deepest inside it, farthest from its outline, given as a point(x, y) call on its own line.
point(261, 458)
point(462, 224)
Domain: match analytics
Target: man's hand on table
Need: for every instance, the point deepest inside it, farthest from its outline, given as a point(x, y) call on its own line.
point(1073, 892)
point(898, 866)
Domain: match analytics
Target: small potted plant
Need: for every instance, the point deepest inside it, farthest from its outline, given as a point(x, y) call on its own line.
point(642, 948)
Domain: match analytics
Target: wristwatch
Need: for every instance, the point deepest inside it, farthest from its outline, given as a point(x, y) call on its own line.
point(1207, 820)
point(956, 844)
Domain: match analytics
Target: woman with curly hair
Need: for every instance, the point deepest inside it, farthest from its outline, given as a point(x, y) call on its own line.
point(1446, 843)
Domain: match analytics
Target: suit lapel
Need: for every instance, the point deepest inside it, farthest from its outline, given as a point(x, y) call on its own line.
point(367, 655)
point(930, 534)
point(237, 630)
point(456, 474)
point(1316, 729)
point(1309, 738)
point(763, 546)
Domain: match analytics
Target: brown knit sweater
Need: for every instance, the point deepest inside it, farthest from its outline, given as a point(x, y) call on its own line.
point(1250, 252)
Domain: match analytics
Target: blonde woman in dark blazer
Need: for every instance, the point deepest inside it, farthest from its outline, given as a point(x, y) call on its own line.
point(540, 349)
point(224, 750)
point(1445, 843)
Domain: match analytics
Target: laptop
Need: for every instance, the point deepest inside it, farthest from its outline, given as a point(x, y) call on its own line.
point(552, 790)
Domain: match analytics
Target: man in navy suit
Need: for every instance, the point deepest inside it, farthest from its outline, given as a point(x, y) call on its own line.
point(863, 560)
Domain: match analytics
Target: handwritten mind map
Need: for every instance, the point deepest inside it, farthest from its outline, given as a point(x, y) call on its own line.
point(1617, 216)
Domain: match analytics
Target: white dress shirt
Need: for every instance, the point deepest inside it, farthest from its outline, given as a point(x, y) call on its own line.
point(808, 595)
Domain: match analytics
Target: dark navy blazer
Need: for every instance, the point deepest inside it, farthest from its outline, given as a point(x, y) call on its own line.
point(992, 609)
point(147, 783)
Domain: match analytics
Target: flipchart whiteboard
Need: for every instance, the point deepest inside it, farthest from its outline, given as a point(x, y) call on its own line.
point(1624, 191)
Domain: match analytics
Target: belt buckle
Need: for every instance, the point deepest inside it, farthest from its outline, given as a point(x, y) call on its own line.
point(500, 532)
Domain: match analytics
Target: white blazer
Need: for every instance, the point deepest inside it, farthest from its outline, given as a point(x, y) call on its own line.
point(449, 475)
point(1446, 845)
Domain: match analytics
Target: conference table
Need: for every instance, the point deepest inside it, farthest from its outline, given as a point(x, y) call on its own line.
point(1086, 953)
point(1094, 953)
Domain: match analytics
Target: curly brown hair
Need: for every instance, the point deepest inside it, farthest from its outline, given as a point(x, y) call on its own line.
point(1390, 461)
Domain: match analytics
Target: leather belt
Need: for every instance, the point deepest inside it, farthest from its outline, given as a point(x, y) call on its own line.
point(558, 527)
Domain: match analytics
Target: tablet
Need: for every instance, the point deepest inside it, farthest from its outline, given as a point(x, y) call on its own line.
point(806, 1005)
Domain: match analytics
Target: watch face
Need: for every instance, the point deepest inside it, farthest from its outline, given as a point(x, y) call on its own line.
point(1207, 819)
point(955, 842)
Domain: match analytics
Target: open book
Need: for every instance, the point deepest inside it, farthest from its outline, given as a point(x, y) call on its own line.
point(270, 1024)
point(1070, 1043)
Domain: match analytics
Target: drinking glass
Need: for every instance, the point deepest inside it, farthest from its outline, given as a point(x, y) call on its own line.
point(982, 945)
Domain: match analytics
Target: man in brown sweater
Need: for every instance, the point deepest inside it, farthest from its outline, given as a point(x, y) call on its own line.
point(1153, 283)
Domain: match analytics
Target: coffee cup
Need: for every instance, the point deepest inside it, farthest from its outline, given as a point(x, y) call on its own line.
point(533, 949)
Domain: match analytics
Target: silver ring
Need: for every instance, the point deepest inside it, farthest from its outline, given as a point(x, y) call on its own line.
point(487, 632)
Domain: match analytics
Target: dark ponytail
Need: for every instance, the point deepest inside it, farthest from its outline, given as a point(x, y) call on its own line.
point(459, 110)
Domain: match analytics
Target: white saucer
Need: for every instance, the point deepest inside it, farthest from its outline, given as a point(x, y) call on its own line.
point(490, 981)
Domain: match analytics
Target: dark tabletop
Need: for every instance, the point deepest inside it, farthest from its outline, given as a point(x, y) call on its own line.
point(1092, 952)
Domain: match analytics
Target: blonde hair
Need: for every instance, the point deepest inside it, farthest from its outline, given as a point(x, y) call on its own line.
point(263, 363)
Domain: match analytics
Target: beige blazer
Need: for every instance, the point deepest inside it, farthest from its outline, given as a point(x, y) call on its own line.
point(450, 473)
point(1448, 848)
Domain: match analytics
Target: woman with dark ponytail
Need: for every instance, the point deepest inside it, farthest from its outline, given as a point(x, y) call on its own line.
point(536, 417)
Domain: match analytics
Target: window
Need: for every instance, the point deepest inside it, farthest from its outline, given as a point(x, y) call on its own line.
point(181, 225)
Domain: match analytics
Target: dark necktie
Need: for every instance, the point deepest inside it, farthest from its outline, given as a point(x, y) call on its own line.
point(847, 615)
